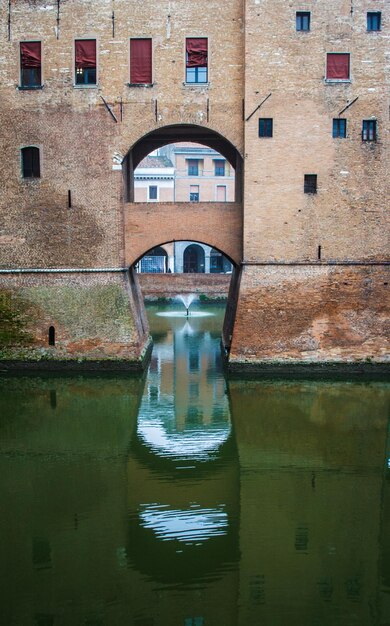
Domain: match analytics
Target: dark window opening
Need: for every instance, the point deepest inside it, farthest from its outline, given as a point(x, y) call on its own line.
point(303, 20)
point(193, 167)
point(85, 54)
point(219, 168)
point(337, 66)
point(194, 260)
point(152, 192)
point(374, 20)
point(194, 193)
point(30, 64)
point(141, 61)
point(369, 130)
point(52, 336)
point(265, 127)
point(310, 185)
point(339, 128)
point(31, 162)
point(319, 253)
point(196, 60)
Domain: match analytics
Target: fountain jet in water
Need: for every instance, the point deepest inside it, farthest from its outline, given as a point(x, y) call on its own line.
point(187, 300)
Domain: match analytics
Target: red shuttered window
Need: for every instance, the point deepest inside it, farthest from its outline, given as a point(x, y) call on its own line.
point(337, 66)
point(141, 61)
point(196, 60)
point(85, 57)
point(30, 64)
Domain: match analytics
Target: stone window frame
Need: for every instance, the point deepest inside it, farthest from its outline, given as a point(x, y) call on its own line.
point(336, 128)
point(336, 81)
point(140, 85)
point(90, 86)
point(196, 85)
point(30, 179)
point(371, 13)
point(20, 86)
point(301, 14)
point(366, 132)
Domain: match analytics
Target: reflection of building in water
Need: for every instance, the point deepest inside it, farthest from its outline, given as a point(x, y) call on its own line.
point(184, 491)
point(311, 493)
point(286, 522)
point(184, 412)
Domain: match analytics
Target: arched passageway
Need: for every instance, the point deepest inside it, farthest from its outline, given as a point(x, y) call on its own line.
point(194, 260)
point(180, 133)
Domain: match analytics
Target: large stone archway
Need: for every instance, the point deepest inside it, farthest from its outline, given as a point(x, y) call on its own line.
point(178, 133)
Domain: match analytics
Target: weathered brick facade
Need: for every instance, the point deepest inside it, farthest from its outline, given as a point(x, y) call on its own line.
point(76, 215)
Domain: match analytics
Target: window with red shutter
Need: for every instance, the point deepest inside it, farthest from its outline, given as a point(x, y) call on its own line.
point(30, 64)
point(140, 61)
point(196, 60)
point(337, 66)
point(85, 59)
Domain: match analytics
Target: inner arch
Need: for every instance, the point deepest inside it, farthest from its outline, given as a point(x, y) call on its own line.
point(174, 134)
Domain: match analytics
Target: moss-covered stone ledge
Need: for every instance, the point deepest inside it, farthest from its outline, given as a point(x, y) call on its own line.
point(79, 322)
point(293, 369)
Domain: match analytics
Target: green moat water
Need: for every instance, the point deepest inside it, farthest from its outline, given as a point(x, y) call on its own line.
point(181, 500)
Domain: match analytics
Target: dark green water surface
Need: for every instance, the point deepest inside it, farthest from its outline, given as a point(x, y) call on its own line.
point(180, 500)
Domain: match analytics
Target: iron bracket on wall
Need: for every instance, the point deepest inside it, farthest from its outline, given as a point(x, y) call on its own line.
point(348, 105)
point(258, 107)
point(109, 110)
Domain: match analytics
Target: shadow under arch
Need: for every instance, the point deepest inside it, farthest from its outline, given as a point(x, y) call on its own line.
point(176, 133)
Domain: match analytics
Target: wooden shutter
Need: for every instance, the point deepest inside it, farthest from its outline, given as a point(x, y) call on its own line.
point(141, 61)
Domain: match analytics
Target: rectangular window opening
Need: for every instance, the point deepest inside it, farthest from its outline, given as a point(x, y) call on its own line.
point(193, 167)
point(221, 193)
point(374, 20)
point(196, 60)
point(369, 130)
point(337, 66)
point(219, 167)
point(30, 64)
point(85, 59)
point(310, 183)
point(339, 128)
point(194, 193)
point(153, 192)
point(303, 20)
point(31, 162)
point(265, 127)
point(141, 61)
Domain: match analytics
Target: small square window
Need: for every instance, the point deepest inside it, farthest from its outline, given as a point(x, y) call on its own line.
point(219, 168)
point(303, 20)
point(369, 130)
point(310, 185)
point(193, 167)
point(339, 128)
point(265, 127)
point(374, 20)
point(153, 192)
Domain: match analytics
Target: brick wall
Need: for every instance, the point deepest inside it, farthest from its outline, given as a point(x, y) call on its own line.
point(170, 285)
